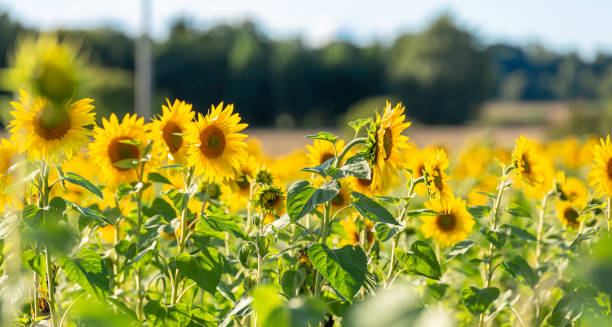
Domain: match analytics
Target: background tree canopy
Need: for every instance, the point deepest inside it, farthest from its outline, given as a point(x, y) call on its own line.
point(443, 74)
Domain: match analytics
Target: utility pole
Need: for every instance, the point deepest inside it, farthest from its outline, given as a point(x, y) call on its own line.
point(144, 68)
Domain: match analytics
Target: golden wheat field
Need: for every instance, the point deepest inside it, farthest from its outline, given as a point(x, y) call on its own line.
point(184, 220)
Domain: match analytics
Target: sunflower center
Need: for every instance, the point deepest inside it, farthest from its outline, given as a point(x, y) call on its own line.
point(438, 179)
point(364, 182)
point(118, 151)
point(326, 156)
point(212, 141)
point(527, 167)
point(52, 123)
point(609, 168)
point(571, 215)
point(243, 182)
point(264, 177)
point(172, 140)
point(338, 200)
point(270, 199)
point(446, 222)
point(387, 142)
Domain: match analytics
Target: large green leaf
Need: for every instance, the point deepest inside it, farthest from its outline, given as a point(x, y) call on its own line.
point(302, 198)
point(159, 315)
point(520, 269)
point(89, 271)
point(273, 311)
point(421, 260)
point(354, 166)
point(372, 210)
point(324, 136)
point(343, 268)
point(478, 300)
point(82, 182)
point(204, 268)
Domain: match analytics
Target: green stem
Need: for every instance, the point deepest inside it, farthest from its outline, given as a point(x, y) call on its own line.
point(609, 213)
point(541, 228)
point(50, 280)
point(139, 291)
point(354, 142)
point(494, 221)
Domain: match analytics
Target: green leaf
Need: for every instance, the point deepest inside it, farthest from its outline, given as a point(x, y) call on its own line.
point(123, 308)
point(356, 166)
point(163, 208)
point(497, 238)
point(91, 213)
point(519, 207)
point(325, 136)
point(240, 309)
point(385, 232)
point(585, 235)
point(421, 260)
point(519, 232)
point(126, 163)
point(280, 223)
point(217, 225)
point(421, 212)
point(322, 168)
point(243, 254)
point(460, 248)
point(566, 311)
point(273, 311)
point(518, 268)
point(358, 124)
point(88, 270)
point(478, 300)
point(82, 182)
point(292, 281)
point(437, 290)
point(158, 315)
point(343, 268)
point(302, 198)
point(34, 261)
point(371, 209)
point(159, 178)
point(204, 268)
point(30, 216)
point(479, 211)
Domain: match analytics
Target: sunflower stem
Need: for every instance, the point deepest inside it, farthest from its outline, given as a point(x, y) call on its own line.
point(50, 280)
point(609, 213)
point(541, 228)
point(354, 142)
point(489, 269)
point(319, 277)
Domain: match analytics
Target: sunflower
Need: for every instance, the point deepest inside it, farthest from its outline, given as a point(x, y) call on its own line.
point(51, 131)
point(343, 198)
point(216, 148)
point(452, 224)
point(571, 189)
point(435, 177)
point(351, 232)
point(600, 176)
point(271, 200)
point(568, 213)
point(320, 151)
point(241, 184)
point(111, 145)
point(264, 176)
point(8, 157)
point(386, 145)
point(532, 168)
point(166, 130)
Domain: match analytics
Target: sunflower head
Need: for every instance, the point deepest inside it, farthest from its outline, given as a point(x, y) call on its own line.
point(116, 142)
point(600, 176)
point(47, 67)
point(168, 129)
point(436, 178)
point(8, 157)
point(568, 214)
point(216, 148)
point(571, 189)
point(49, 130)
point(452, 224)
point(320, 151)
point(271, 199)
point(531, 167)
point(386, 145)
point(264, 176)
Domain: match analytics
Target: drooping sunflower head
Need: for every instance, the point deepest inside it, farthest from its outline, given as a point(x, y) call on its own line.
point(531, 167)
point(600, 176)
point(568, 214)
point(271, 200)
point(571, 189)
point(386, 145)
point(436, 178)
point(168, 129)
point(452, 224)
point(216, 148)
point(241, 184)
point(47, 67)
point(320, 151)
point(51, 131)
point(264, 176)
point(115, 142)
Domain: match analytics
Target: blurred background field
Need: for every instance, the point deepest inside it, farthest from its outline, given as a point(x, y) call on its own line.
point(458, 82)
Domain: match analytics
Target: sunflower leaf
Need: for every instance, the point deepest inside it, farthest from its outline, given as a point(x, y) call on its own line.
point(205, 268)
point(420, 261)
point(302, 198)
point(82, 182)
point(126, 163)
point(159, 178)
point(372, 210)
point(478, 300)
point(325, 136)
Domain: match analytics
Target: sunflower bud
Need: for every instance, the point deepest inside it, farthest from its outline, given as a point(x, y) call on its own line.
point(271, 199)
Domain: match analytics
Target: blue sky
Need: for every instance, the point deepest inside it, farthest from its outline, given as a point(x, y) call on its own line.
point(563, 25)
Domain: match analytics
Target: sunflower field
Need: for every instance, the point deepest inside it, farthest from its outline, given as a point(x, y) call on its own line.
point(181, 220)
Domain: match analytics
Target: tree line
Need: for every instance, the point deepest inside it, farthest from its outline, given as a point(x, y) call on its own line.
point(443, 73)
